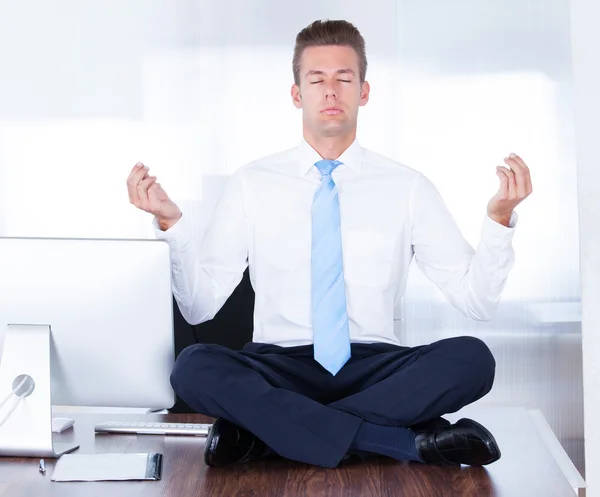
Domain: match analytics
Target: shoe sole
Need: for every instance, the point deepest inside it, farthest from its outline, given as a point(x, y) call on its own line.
point(208, 446)
point(491, 444)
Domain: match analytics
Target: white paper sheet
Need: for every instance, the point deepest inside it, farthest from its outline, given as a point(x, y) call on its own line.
point(99, 467)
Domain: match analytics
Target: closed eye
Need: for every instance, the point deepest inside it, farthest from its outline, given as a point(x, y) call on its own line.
point(320, 81)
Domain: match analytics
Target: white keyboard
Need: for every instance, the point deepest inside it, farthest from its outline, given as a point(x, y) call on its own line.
point(153, 428)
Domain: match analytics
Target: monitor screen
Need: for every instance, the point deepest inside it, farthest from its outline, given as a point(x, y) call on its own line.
point(109, 307)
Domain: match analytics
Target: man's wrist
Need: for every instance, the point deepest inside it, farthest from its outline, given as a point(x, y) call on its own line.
point(503, 219)
point(166, 223)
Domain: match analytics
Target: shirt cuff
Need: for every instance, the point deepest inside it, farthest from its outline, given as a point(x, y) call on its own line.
point(498, 233)
point(173, 233)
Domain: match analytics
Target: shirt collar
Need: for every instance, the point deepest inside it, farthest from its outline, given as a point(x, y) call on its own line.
point(308, 156)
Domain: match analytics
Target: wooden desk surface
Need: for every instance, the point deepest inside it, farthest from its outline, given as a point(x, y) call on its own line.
point(525, 469)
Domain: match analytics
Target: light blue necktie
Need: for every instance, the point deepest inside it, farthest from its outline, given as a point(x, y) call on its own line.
point(330, 319)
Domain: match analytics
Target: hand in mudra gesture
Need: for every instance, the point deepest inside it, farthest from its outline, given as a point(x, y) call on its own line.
point(515, 186)
point(148, 195)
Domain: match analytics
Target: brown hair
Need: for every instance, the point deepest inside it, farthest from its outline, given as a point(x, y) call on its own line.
point(327, 32)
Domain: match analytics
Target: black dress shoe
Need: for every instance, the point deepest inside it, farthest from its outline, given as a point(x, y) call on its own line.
point(431, 425)
point(228, 444)
point(464, 442)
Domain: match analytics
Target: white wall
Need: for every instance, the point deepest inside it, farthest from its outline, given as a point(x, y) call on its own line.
point(89, 88)
point(477, 80)
point(586, 72)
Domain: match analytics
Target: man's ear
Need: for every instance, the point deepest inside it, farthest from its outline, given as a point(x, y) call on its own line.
point(296, 96)
point(364, 93)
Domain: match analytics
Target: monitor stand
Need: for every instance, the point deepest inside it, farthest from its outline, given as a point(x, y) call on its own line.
point(27, 431)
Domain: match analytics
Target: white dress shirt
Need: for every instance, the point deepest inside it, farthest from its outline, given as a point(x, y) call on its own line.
point(388, 214)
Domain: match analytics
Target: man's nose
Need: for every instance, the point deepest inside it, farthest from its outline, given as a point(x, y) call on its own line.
point(330, 91)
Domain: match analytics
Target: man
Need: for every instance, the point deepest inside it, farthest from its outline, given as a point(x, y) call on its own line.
point(329, 230)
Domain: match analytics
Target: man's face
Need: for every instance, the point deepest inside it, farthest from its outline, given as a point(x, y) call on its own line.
point(330, 91)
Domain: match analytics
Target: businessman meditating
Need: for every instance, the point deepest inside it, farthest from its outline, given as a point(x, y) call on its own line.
point(329, 230)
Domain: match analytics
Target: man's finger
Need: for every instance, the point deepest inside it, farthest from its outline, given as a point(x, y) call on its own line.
point(515, 165)
point(138, 173)
point(503, 188)
point(512, 187)
point(523, 185)
point(134, 170)
point(130, 184)
point(523, 174)
point(142, 190)
point(147, 182)
point(520, 175)
point(153, 193)
point(525, 180)
point(518, 159)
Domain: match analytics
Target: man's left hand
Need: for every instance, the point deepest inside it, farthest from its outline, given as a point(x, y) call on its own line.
point(515, 186)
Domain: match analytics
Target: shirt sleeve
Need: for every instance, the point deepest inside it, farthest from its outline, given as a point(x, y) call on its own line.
point(471, 280)
point(204, 278)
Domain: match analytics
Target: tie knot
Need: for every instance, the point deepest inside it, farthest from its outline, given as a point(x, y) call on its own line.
point(326, 166)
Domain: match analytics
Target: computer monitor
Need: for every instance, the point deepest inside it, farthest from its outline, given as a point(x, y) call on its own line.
point(108, 305)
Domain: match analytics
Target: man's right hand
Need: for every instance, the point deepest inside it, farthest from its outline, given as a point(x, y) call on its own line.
point(146, 194)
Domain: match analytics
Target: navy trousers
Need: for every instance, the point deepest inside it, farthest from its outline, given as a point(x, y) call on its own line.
point(302, 412)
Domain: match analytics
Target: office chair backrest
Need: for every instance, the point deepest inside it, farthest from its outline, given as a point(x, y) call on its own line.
point(231, 327)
